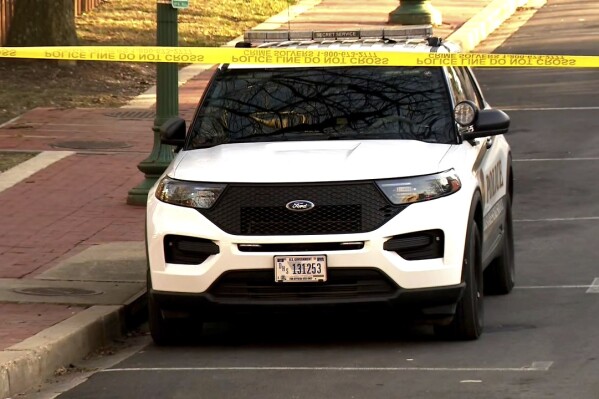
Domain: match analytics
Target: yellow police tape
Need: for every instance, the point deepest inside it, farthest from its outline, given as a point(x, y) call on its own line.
point(322, 57)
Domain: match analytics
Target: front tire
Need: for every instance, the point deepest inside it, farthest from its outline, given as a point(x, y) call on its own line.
point(468, 321)
point(500, 276)
point(165, 331)
point(162, 330)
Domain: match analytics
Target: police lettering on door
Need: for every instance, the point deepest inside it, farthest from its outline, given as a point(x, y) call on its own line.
point(494, 181)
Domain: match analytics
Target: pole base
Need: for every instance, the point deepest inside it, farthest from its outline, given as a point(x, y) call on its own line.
point(415, 12)
point(138, 195)
point(167, 106)
point(152, 168)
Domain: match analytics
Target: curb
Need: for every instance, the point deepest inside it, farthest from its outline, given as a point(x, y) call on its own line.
point(25, 365)
point(479, 27)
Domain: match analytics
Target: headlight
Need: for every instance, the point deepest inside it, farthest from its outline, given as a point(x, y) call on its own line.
point(420, 188)
point(188, 193)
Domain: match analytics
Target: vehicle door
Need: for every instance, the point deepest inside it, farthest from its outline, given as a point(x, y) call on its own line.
point(490, 165)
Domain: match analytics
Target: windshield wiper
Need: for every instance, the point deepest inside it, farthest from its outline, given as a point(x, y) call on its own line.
point(285, 135)
point(208, 143)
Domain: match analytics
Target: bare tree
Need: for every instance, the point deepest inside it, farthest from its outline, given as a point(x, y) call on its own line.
point(43, 23)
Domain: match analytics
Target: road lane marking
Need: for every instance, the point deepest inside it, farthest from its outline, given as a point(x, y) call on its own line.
point(549, 109)
point(594, 288)
point(535, 366)
point(541, 366)
point(556, 159)
point(551, 287)
point(585, 218)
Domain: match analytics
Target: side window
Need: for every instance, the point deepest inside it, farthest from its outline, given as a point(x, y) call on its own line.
point(469, 86)
point(456, 85)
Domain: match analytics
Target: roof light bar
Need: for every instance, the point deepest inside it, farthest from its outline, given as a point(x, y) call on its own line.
point(403, 33)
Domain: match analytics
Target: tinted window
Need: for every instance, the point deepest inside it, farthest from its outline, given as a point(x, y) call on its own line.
point(469, 87)
point(290, 104)
point(456, 85)
point(463, 87)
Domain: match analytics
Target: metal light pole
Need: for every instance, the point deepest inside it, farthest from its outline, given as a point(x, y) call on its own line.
point(415, 12)
point(167, 104)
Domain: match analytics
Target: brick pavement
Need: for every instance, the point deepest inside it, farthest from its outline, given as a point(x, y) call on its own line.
point(80, 200)
point(21, 320)
point(74, 203)
point(69, 206)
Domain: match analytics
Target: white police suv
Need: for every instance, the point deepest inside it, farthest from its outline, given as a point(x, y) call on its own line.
point(360, 187)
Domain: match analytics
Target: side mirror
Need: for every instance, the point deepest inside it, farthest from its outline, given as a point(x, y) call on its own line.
point(172, 132)
point(483, 122)
point(490, 122)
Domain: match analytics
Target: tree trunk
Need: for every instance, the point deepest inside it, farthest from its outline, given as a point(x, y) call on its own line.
point(43, 23)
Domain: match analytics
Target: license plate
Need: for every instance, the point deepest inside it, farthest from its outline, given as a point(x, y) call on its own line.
point(300, 269)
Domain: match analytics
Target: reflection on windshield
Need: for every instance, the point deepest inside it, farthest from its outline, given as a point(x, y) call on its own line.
point(281, 104)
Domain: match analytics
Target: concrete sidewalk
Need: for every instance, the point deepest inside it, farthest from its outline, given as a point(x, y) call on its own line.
point(72, 261)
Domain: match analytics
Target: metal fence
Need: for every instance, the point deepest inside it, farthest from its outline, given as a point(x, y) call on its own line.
point(7, 8)
point(82, 6)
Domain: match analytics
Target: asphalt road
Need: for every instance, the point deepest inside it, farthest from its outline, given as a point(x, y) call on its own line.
point(541, 341)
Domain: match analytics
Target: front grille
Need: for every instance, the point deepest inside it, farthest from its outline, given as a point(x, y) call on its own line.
point(340, 208)
point(341, 284)
point(278, 220)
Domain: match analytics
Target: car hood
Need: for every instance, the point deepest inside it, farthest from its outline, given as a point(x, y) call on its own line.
point(309, 161)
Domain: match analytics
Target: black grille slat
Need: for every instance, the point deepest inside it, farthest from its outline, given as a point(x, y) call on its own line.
point(342, 283)
point(302, 247)
point(340, 208)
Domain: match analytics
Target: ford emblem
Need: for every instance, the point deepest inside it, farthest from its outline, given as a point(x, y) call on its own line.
point(300, 205)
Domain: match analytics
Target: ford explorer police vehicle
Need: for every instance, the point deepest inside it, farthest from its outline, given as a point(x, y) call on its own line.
point(334, 186)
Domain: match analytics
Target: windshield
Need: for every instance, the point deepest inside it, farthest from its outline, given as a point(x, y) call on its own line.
point(351, 103)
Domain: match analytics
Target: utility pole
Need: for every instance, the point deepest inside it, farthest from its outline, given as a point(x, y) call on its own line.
point(415, 12)
point(167, 100)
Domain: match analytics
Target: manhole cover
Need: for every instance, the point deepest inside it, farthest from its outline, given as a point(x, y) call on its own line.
point(56, 291)
point(132, 114)
point(91, 145)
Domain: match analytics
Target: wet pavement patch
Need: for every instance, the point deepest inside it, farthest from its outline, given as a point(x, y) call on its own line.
point(91, 145)
point(56, 291)
point(132, 114)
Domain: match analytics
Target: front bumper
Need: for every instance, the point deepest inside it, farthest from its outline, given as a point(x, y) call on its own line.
point(429, 304)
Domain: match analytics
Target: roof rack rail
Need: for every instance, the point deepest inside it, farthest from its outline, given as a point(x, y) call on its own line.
point(401, 33)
